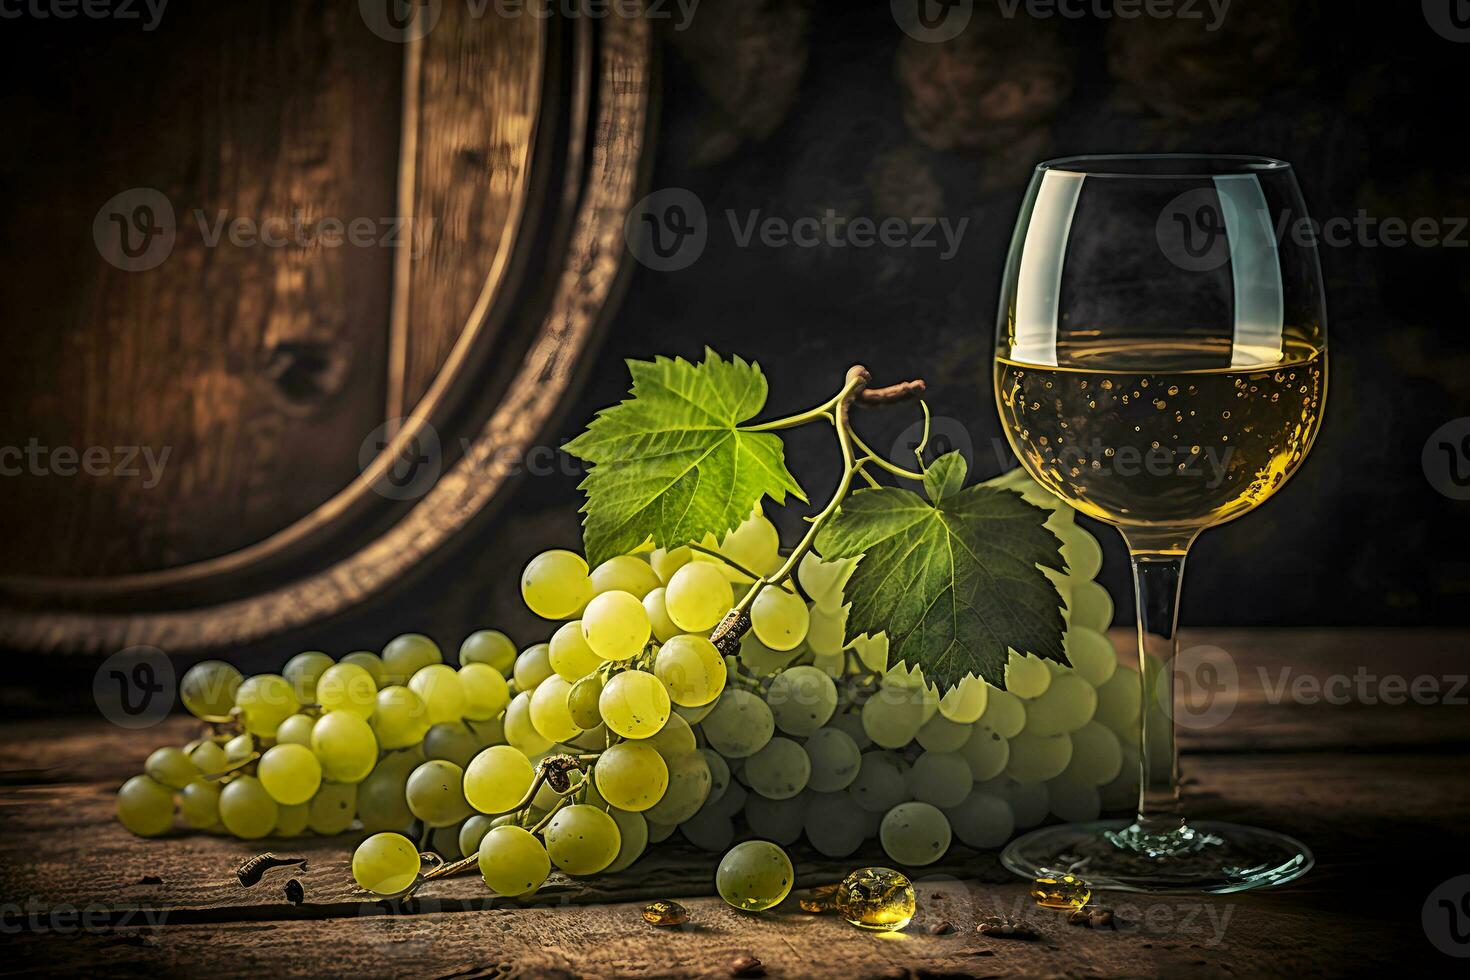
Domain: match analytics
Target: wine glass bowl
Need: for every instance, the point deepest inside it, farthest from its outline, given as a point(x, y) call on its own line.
point(1161, 365)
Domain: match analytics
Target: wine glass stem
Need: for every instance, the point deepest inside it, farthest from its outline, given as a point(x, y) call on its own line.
point(1156, 581)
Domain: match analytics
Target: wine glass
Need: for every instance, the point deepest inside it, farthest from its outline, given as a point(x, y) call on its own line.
point(1161, 365)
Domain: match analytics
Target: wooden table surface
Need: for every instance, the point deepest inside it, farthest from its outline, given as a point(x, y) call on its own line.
point(1380, 791)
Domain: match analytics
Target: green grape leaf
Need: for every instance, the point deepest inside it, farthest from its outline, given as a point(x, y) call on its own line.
point(954, 583)
point(672, 462)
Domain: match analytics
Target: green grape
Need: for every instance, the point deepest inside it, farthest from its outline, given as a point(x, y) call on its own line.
point(399, 718)
point(733, 800)
point(290, 773)
point(825, 580)
point(878, 786)
point(171, 767)
point(835, 759)
point(740, 724)
point(347, 687)
point(513, 862)
point(697, 597)
point(1122, 792)
point(488, 733)
point(1004, 712)
point(941, 779)
point(982, 821)
point(1073, 802)
point(851, 722)
point(1035, 758)
point(291, 821)
point(826, 633)
point(145, 806)
point(689, 786)
point(985, 752)
point(872, 651)
point(436, 794)
point(631, 776)
point(779, 618)
point(708, 831)
point(209, 757)
point(451, 741)
point(582, 701)
point(485, 692)
point(381, 801)
point(1118, 702)
point(265, 701)
point(385, 864)
point(666, 561)
point(802, 700)
point(533, 666)
point(893, 716)
point(692, 670)
point(664, 628)
point(346, 746)
point(1097, 757)
point(1082, 554)
point(497, 779)
point(754, 875)
point(1091, 655)
point(296, 730)
point(1091, 607)
point(966, 701)
point(550, 715)
point(779, 821)
point(779, 770)
point(246, 809)
point(625, 573)
point(761, 659)
point(1027, 676)
point(939, 734)
point(473, 831)
point(239, 748)
point(1067, 705)
point(489, 647)
point(833, 825)
point(208, 689)
point(569, 655)
point(915, 834)
point(370, 662)
point(719, 775)
point(615, 625)
point(634, 704)
point(659, 832)
point(437, 685)
point(755, 544)
point(675, 738)
point(694, 716)
point(519, 732)
point(407, 654)
point(332, 808)
point(303, 671)
point(444, 841)
point(555, 585)
point(632, 839)
point(582, 840)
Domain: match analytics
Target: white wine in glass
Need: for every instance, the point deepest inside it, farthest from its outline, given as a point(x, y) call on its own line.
point(1161, 365)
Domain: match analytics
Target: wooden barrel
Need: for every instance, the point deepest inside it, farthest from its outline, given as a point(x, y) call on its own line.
point(340, 276)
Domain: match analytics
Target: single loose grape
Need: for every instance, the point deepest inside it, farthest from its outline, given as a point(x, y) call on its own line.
point(697, 597)
point(435, 793)
point(291, 774)
point(246, 809)
point(550, 715)
point(347, 687)
point(556, 585)
point(265, 701)
point(779, 618)
point(740, 724)
point(754, 875)
point(533, 666)
point(615, 625)
point(370, 662)
point(631, 776)
point(451, 741)
point(171, 767)
point(346, 746)
point(802, 699)
point(303, 671)
point(625, 573)
point(489, 647)
point(569, 655)
point(407, 654)
point(399, 718)
point(497, 779)
point(208, 689)
point(519, 731)
point(582, 840)
point(145, 806)
point(385, 864)
point(513, 862)
point(582, 701)
point(332, 808)
point(915, 834)
point(634, 704)
point(199, 803)
point(485, 692)
point(692, 670)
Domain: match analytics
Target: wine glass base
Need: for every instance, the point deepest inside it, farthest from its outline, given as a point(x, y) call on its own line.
point(1116, 855)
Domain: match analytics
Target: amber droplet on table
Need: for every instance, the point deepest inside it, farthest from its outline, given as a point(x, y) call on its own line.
point(663, 913)
point(1061, 891)
point(876, 898)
